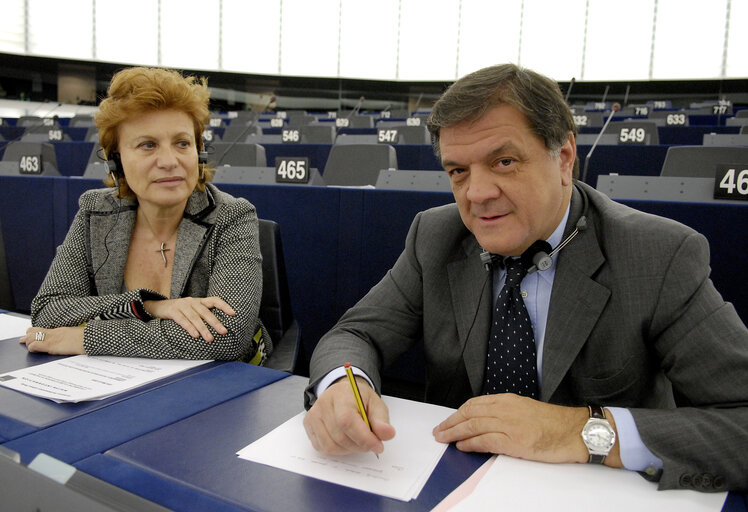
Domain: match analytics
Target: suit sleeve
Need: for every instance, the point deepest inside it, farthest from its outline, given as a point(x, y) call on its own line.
point(703, 348)
point(380, 327)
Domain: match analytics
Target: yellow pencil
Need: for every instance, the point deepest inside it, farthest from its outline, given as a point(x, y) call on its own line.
point(357, 396)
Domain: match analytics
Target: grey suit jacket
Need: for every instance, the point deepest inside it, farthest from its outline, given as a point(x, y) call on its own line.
point(634, 321)
point(217, 254)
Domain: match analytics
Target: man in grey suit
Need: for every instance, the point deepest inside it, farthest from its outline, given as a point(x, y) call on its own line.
point(638, 362)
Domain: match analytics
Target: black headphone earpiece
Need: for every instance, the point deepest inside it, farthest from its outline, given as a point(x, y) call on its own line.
point(202, 157)
point(114, 165)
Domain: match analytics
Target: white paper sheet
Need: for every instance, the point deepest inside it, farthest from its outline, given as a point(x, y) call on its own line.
point(12, 326)
point(514, 484)
point(81, 378)
point(400, 472)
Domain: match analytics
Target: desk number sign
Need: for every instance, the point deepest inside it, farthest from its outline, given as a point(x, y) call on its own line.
point(30, 164)
point(387, 136)
point(291, 169)
point(632, 135)
point(731, 182)
point(292, 136)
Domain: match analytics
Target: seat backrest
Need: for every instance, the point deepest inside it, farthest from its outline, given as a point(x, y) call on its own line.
point(228, 153)
point(358, 164)
point(701, 161)
point(413, 135)
point(299, 120)
point(725, 139)
point(356, 138)
point(318, 134)
point(6, 293)
point(275, 307)
point(238, 131)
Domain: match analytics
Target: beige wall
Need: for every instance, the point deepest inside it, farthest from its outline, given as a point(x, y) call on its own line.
point(76, 83)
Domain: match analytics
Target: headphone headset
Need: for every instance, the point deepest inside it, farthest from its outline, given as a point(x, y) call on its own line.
point(539, 255)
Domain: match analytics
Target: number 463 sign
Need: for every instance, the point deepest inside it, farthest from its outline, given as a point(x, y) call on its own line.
point(731, 182)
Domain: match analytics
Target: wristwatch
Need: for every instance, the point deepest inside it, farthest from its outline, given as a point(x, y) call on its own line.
point(598, 435)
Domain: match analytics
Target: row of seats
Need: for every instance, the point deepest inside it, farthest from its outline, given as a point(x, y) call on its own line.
point(367, 159)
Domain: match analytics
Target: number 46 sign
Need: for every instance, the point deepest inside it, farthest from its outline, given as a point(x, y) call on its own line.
point(731, 182)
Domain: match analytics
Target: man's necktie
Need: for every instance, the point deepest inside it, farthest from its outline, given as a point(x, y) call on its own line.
point(511, 365)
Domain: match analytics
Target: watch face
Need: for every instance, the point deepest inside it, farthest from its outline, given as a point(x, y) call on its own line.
point(598, 436)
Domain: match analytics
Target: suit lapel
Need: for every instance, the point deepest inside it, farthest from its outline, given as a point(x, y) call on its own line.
point(110, 241)
point(190, 240)
point(577, 301)
point(191, 237)
point(471, 289)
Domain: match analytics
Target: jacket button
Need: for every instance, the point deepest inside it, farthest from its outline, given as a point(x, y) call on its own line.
point(685, 480)
point(706, 481)
point(719, 482)
point(696, 480)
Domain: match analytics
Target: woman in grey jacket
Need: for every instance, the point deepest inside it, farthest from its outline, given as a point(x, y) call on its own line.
point(161, 264)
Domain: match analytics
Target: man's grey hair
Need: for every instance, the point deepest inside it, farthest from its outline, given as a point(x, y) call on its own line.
point(538, 97)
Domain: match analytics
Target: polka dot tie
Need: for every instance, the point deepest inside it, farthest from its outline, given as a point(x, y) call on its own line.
point(511, 365)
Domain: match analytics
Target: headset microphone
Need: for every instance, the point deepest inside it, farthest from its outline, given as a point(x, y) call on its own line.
point(539, 255)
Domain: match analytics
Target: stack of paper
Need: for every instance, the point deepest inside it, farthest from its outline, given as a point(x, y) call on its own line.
point(400, 472)
point(515, 484)
point(12, 326)
point(80, 378)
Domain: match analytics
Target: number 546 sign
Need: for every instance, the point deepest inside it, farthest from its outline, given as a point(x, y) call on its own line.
point(731, 182)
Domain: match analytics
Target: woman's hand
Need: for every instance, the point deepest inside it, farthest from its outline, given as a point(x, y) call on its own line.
point(192, 314)
point(59, 341)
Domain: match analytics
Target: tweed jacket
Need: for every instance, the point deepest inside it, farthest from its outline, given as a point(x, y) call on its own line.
point(217, 254)
point(634, 321)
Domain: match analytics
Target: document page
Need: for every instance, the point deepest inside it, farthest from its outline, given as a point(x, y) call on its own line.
point(12, 326)
point(515, 484)
point(400, 472)
point(80, 378)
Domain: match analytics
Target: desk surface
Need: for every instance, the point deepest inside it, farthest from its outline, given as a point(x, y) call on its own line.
point(22, 414)
point(150, 408)
point(200, 453)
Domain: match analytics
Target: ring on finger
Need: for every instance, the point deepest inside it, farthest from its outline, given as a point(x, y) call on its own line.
point(39, 336)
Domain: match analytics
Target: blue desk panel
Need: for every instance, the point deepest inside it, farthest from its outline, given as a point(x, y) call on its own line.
point(200, 453)
point(126, 419)
point(34, 221)
point(22, 414)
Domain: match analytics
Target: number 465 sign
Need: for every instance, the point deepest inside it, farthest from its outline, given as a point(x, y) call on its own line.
point(291, 169)
point(731, 182)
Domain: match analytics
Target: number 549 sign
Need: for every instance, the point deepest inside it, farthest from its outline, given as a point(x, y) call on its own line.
point(731, 182)
point(291, 170)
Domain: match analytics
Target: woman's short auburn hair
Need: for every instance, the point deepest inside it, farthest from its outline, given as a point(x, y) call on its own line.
point(141, 90)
